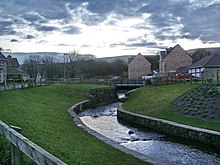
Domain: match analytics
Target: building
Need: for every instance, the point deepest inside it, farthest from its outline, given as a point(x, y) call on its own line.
point(174, 58)
point(9, 68)
point(3, 67)
point(207, 67)
point(13, 68)
point(139, 66)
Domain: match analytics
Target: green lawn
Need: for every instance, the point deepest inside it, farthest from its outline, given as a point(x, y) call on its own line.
point(158, 101)
point(42, 114)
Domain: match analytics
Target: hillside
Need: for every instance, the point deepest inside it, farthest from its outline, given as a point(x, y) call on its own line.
point(202, 103)
point(212, 50)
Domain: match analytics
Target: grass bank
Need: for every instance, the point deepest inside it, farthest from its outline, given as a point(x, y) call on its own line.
point(42, 115)
point(158, 102)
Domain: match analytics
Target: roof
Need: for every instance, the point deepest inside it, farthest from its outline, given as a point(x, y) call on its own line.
point(2, 57)
point(168, 51)
point(153, 59)
point(210, 61)
point(13, 71)
point(13, 61)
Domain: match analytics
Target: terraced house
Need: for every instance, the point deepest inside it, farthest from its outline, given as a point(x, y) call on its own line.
point(174, 58)
point(9, 68)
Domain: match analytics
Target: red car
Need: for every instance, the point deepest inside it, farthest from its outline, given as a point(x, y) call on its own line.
point(182, 76)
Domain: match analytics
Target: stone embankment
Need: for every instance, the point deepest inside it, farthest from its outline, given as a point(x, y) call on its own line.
point(100, 97)
point(172, 128)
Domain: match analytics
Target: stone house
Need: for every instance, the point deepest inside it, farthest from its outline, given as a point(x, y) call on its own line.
point(9, 68)
point(139, 66)
point(3, 67)
point(13, 68)
point(207, 67)
point(174, 58)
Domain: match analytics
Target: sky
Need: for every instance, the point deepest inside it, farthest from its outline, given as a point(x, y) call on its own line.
point(108, 27)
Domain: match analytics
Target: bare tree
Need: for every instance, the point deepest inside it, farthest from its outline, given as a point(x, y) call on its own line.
point(48, 66)
point(199, 54)
point(74, 65)
point(32, 65)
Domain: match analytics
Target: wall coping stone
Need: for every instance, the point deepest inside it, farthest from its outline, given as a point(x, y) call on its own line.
point(169, 123)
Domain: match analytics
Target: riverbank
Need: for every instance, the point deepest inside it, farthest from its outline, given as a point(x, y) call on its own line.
point(149, 145)
point(42, 115)
point(158, 102)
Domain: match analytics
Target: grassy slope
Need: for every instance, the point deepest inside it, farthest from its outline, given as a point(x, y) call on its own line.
point(158, 102)
point(42, 115)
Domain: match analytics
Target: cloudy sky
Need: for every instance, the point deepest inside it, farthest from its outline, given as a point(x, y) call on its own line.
point(108, 27)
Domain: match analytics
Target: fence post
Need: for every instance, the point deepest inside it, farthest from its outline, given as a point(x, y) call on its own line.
point(16, 154)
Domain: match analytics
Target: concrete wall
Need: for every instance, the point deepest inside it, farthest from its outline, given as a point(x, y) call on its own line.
point(180, 130)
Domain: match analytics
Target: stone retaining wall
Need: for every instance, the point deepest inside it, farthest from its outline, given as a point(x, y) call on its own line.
point(79, 107)
point(180, 130)
point(100, 96)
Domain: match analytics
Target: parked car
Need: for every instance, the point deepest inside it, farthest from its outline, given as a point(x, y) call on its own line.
point(183, 76)
point(148, 77)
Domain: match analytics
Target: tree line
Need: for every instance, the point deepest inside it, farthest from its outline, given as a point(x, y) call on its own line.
point(73, 65)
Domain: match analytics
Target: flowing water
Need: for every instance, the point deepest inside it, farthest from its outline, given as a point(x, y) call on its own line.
point(165, 148)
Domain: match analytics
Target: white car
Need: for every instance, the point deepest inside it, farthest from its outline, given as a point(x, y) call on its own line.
point(148, 77)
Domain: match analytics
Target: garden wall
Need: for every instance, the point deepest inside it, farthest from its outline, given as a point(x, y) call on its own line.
point(180, 130)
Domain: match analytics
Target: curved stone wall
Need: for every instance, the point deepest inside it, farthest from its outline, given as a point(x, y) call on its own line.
point(79, 107)
point(180, 130)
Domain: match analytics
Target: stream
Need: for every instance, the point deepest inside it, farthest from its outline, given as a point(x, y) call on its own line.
point(158, 146)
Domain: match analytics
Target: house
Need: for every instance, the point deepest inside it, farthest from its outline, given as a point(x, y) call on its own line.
point(139, 66)
point(13, 68)
point(9, 68)
point(174, 58)
point(207, 67)
point(3, 67)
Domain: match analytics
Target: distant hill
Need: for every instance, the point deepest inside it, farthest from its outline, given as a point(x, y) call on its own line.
point(125, 58)
point(212, 50)
point(22, 56)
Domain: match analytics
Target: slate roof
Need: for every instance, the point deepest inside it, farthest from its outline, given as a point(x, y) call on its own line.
point(2, 57)
point(211, 61)
point(13, 71)
point(13, 62)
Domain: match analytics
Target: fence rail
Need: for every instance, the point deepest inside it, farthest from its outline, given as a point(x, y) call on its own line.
point(20, 145)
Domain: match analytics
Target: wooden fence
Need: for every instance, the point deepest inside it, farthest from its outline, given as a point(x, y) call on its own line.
point(20, 145)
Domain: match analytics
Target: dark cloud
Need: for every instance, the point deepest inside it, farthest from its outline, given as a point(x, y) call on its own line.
point(86, 45)
point(137, 44)
point(203, 23)
point(42, 41)
point(165, 15)
point(71, 30)
point(44, 28)
point(32, 17)
point(6, 29)
point(14, 40)
point(142, 44)
point(29, 36)
point(63, 45)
